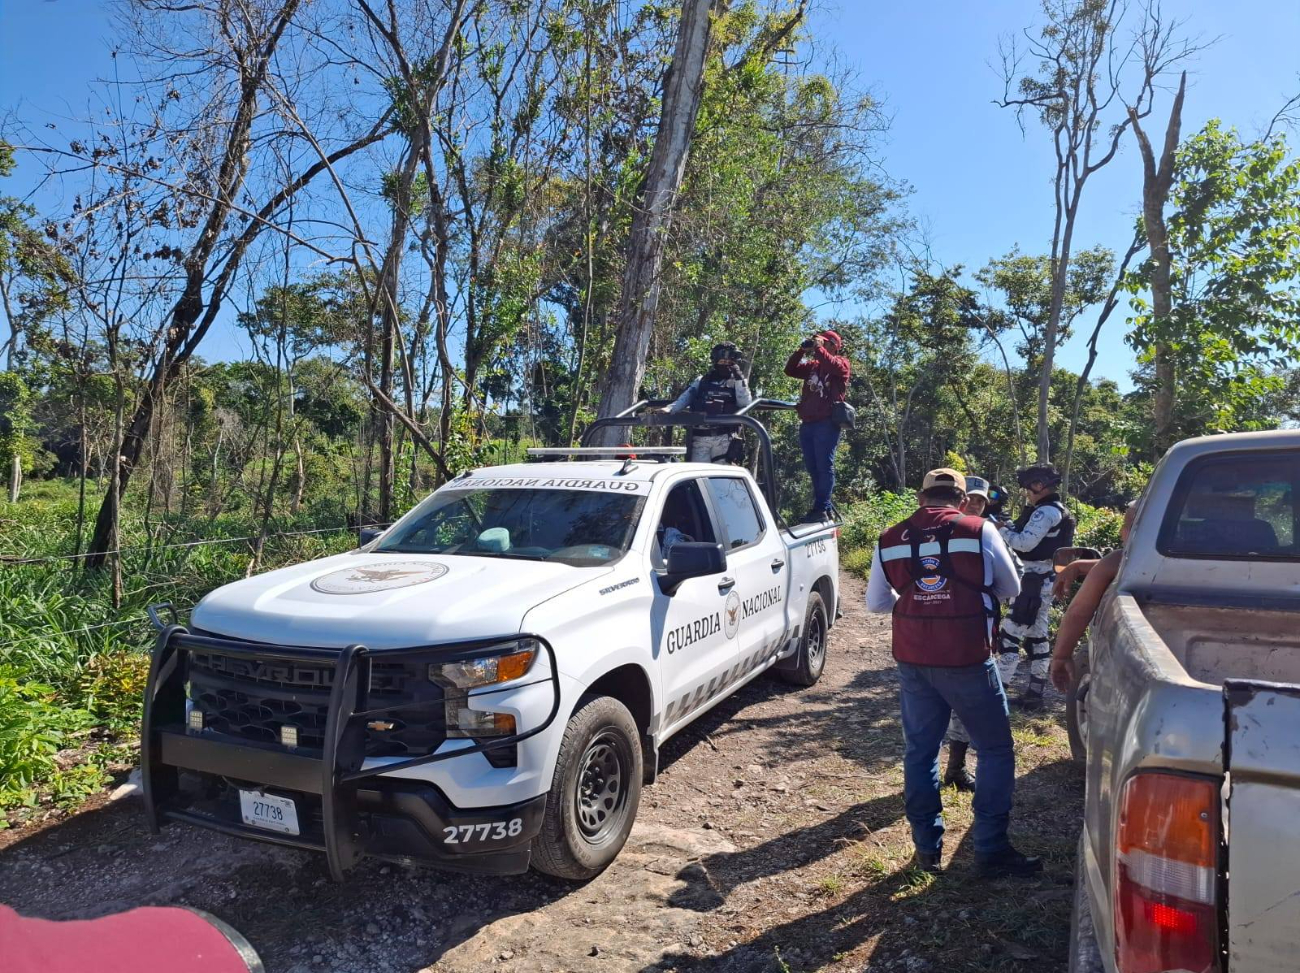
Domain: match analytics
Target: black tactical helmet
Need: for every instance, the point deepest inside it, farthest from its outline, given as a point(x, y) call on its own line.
point(1044, 473)
point(724, 350)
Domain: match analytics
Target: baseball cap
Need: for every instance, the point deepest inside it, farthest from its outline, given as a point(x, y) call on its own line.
point(977, 486)
point(944, 477)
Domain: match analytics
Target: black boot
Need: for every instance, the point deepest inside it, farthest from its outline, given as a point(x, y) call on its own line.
point(957, 775)
point(1007, 862)
point(1031, 700)
point(928, 861)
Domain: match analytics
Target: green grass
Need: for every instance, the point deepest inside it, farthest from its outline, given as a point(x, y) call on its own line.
point(71, 690)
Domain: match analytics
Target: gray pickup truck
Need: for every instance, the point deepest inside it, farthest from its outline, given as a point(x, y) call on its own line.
point(1189, 858)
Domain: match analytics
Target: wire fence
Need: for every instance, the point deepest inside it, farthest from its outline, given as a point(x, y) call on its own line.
point(137, 619)
point(12, 560)
point(77, 630)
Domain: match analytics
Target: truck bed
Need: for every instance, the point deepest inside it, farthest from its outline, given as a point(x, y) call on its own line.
point(1213, 644)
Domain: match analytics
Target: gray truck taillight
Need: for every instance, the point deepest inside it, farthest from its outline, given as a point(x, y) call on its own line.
point(1166, 894)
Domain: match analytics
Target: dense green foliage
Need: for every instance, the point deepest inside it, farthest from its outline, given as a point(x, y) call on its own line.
point(72, 668)
point(1234, 237)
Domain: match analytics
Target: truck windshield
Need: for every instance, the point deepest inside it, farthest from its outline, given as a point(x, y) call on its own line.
point(578, 527)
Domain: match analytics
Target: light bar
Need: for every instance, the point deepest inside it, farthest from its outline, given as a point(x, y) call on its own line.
point(614, 451)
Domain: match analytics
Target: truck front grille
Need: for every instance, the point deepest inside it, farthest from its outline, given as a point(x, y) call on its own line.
point(253, 700)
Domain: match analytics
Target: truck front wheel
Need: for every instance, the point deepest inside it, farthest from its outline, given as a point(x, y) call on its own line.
point(594, 794)
point(811, 657)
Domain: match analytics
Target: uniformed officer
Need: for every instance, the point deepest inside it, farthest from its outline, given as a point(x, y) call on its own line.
point(720, 391)
point(1044, 526)
point(941, 574)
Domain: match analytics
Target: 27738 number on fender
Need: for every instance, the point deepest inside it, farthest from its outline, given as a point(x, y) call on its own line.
point(464, 834)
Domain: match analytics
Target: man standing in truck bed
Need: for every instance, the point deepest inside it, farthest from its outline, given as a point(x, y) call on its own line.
point(825, 373)
point(941, 574)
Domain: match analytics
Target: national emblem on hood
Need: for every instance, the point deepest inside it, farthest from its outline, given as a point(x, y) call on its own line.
point(362, 579)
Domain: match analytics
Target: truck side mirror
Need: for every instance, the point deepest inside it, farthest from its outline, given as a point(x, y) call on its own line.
point(691, 559)
point(1068, 555)
point(367, 534)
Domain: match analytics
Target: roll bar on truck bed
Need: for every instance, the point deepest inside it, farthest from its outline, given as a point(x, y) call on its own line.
point(636, 416)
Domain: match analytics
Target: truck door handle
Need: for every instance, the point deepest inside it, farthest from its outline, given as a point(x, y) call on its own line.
point(777, 564)
point(726, 584)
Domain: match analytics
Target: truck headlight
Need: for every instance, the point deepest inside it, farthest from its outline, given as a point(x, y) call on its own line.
point(501, 663)
point(510, 660)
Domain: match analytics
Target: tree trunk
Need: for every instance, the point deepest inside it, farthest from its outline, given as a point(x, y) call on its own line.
point(15, 478)
point(390, 321)
point(1060, 278)
point(1157, 180)
point(639, 298)
point(1112, 300)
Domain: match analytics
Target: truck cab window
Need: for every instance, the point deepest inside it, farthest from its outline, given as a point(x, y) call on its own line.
point(684, 518)
point(735, 506)
point(1235, 506)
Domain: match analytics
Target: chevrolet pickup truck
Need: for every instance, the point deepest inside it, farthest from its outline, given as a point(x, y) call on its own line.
point(487, 684)
point(1188, 858)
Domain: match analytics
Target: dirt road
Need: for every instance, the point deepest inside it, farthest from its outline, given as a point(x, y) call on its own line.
point(773, 840)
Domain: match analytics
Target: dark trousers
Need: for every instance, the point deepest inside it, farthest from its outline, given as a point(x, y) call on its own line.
point(929, 695)
point(818, 441)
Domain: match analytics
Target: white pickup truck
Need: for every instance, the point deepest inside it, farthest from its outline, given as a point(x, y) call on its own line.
point(488, 683)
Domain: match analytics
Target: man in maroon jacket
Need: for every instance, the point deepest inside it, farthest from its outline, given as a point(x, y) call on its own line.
point(825, 377)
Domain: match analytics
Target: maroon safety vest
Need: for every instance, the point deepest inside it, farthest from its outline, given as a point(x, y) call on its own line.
point(934, 561)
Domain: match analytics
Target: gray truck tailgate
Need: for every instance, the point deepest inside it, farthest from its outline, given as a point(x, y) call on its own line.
point(1263, 757)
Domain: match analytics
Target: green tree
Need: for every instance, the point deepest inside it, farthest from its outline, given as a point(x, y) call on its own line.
point(15, 428)
point(1234, 241)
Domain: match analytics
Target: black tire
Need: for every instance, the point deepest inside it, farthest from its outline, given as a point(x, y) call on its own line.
point(1076, 705)
point(810, 660)
point(594, 794)
point(1085, 954)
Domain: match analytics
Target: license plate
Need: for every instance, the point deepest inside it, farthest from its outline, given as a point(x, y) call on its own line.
point(269, 811)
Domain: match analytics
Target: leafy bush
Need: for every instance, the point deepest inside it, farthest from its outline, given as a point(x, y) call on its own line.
point(1097, 526)
point(33, 729)
point(857, 561)
point(865, 520)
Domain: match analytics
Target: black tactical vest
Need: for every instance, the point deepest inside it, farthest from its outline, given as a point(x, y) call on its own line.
point(714, 397)
point(1062, 535)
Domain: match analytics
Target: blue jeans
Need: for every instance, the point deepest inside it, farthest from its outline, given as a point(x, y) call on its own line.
point(929, 695)
point(818, 441)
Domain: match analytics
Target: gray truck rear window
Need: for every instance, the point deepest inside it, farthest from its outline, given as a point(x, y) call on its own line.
point(1235, 506)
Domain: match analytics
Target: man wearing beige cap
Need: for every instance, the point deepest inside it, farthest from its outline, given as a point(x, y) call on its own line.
point(941, 574)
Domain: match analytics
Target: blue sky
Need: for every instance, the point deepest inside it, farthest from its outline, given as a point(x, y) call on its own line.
point(980, 188)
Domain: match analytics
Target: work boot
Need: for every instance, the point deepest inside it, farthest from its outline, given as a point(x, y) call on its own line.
point(957, 775)
point(928, 861)
point(1031, 700)
point(1007, 863)
point(813, 516)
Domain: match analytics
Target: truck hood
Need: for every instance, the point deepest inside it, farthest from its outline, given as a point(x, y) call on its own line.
point(386, 600)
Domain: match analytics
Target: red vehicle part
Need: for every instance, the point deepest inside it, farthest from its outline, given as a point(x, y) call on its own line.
point(145, 940)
